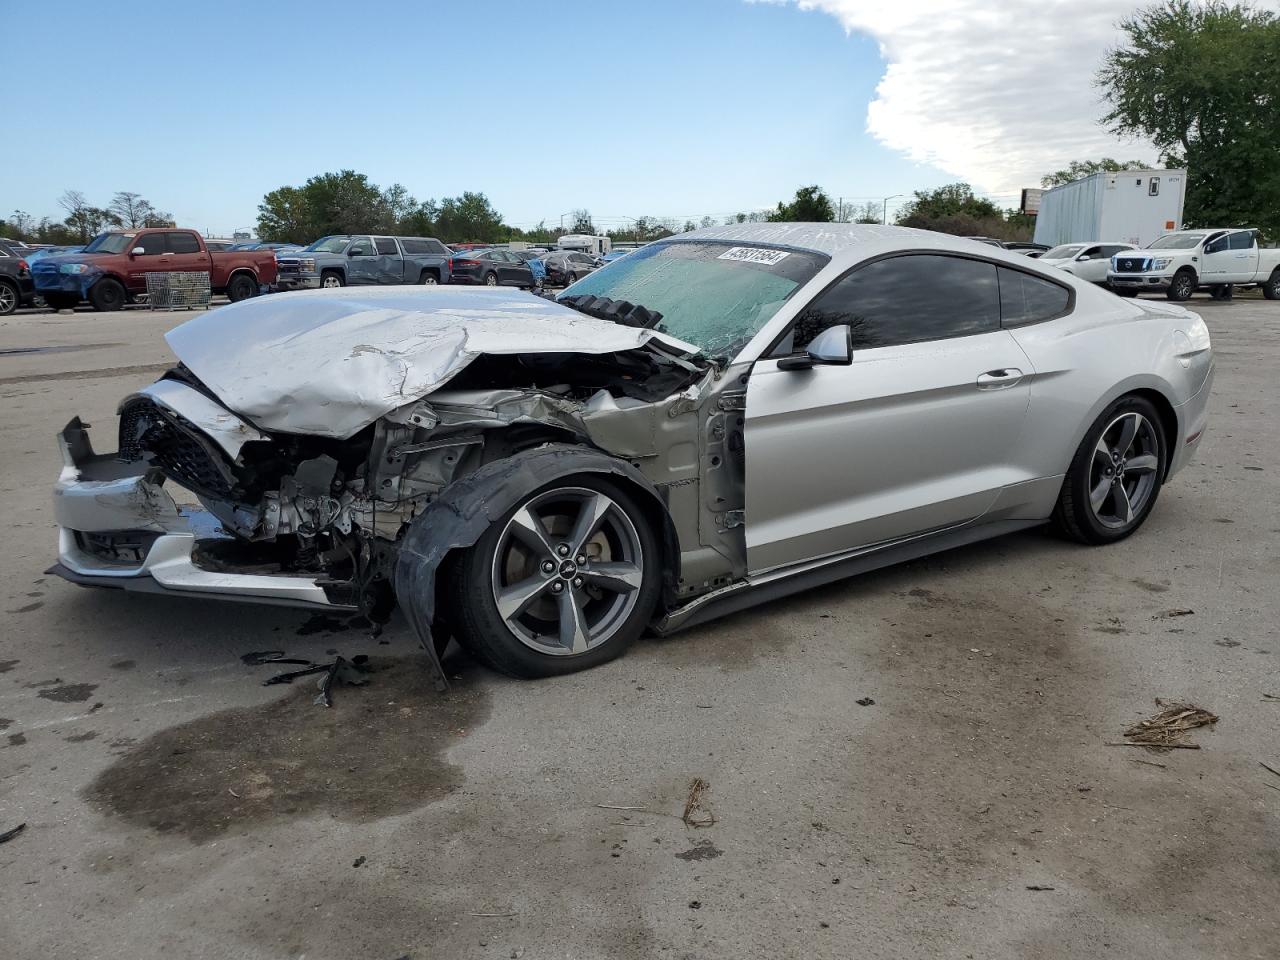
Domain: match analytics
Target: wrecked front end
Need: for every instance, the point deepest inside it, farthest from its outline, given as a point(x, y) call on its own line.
point(199, 501)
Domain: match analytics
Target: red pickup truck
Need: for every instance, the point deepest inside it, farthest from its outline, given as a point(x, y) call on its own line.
point(113, 268)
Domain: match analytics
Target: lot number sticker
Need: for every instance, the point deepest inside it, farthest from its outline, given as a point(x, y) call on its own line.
point(754, 255)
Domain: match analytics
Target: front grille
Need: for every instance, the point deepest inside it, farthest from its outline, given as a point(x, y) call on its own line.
point(1131, 264)
point(178, 451)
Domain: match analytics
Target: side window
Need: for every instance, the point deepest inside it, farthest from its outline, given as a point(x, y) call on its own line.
point(151, 244)
point(361, 248)
point(907, 299)
point(435, 246)
point(1111, 251)
point(1027, 299)
point(1242, 240)
point(386, 247)
point(183, 243)
point(1091, 252)
point(1217, 244)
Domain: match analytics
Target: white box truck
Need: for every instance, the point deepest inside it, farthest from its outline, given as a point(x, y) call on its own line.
point(597, 245)
point(1133, 206)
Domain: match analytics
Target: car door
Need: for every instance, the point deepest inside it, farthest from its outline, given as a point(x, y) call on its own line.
point(1215, 259)
point(1090, 265)
point(154, 258)
point(918, 433)
point(1243, 246)
point(390, 265)
point(185, 252)
point(362, 262)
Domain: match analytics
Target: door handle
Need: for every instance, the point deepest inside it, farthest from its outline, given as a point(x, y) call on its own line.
point(999, 379)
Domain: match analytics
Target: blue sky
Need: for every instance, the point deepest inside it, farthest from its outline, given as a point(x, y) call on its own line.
point(677, 108)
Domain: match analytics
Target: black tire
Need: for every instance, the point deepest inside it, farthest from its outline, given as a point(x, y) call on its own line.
point(107, 295)
point(242, 287)
point(429, 278)
point(571, 277)
point(9, 298)
point(491, 279)
point(480, 628)
point(332, 279)
point(1223, 291)
point(1183, 285)
point(1075, 515)
point(1271, 289)
point(61, 301)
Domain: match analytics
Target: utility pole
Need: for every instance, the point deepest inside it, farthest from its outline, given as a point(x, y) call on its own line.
point(884, 215)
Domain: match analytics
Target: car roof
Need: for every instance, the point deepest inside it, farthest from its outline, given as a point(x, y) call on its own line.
point(845, 243)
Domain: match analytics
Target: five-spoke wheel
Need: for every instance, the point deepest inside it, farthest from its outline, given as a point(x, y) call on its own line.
point(566, 580)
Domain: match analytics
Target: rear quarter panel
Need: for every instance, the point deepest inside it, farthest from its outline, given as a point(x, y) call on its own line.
point(222, 265)
point(1107, 347)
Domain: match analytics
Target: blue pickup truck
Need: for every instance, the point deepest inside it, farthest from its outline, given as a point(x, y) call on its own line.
point(355, 260)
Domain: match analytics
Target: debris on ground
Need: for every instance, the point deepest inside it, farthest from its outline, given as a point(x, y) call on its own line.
point(1173, 613)
point(695, 813)
point(256, 657)
point(1271, 698)
point(10, 834)
point(1267, 766)
point(1167, 730)
point(359, 862)
point(865, 702)
point(1036, 886)
point(350, 672)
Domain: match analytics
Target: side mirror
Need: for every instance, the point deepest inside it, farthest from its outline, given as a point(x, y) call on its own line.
point(353, 252)
point(832, 347)
point(1083, 257)
point(137, 252)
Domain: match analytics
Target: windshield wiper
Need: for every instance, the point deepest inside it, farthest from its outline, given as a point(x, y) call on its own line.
point(616, 311)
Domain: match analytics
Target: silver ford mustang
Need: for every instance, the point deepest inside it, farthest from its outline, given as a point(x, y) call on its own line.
point(716, 419)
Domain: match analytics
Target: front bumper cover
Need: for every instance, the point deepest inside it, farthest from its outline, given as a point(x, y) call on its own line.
point(97, 497)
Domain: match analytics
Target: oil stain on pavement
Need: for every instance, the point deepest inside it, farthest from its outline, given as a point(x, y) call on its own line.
point(378, 752)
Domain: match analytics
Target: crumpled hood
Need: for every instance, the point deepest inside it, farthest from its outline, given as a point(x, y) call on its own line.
point(330, 362)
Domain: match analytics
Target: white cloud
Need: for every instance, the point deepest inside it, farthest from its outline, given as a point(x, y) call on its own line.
point(996, 93)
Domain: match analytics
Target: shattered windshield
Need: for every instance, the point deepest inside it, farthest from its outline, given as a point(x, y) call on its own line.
point(329, 245)
point(109, 243)
point(714, 295)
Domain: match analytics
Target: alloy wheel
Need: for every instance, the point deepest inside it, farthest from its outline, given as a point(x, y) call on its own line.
point(1122, 477)
point(330, 281)
point(8, 299)
point(1183, 287)
point(567, 571)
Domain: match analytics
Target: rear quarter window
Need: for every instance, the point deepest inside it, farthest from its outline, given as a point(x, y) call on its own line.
point(1027, 299)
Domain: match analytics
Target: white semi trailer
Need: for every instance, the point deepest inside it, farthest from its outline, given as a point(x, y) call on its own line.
point(1133, 206)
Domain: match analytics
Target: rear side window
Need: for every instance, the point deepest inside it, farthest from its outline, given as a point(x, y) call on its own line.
point(151, 244)
point(414, 245)
point(435, 246)
point(387, 247)
point(183, 243)
point(907, 299)
point(1242, 240)
point(1026, 299)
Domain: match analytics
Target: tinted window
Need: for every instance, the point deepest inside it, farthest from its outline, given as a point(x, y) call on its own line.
point(151, 243)
point(1112, 251)
point(361, 248)
point(905, 300)
point(183, 243)
point(1092, 252)
point(1242, 240)
point(581, 258)
point(418, 245)
point(1027, 299)
point(435, 246)
point(1217, 244)
point(387, 246)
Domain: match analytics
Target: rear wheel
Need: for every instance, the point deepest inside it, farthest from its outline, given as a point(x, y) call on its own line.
point(1271, 289)
point(1115, 476)
point(242, 287)
point(8, 298)
point(428, 279)
point(331, 279)
point(566, 580)
point(490, 279)
point(107, 295)
point(1183, 285)
point(570, 278)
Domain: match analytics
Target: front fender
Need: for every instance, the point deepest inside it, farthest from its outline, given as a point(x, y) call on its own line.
point(465, 509)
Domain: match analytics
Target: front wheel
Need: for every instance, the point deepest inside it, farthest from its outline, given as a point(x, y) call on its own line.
point(331, 280)
point(1115, 476)
point(1183, 286)
point(108, 295)
point(566, 580)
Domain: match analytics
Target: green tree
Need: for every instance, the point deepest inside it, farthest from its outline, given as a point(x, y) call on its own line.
point(868, 212)
point(470, 218)
point(581, 222)
point(952, 200)
point(1079, 169)
point(810, 205)
point(1202, 82)
point(284, 216)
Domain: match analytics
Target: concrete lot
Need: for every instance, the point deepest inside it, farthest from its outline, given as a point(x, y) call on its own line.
point(175, 807)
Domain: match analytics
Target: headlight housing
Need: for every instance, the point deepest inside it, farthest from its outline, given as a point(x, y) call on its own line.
point(73, 268)
point(1162, 263)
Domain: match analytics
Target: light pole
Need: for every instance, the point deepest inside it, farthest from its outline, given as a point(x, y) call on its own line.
point(884, 215)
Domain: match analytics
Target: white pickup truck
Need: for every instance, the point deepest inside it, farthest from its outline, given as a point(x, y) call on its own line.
point(1181, 263)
